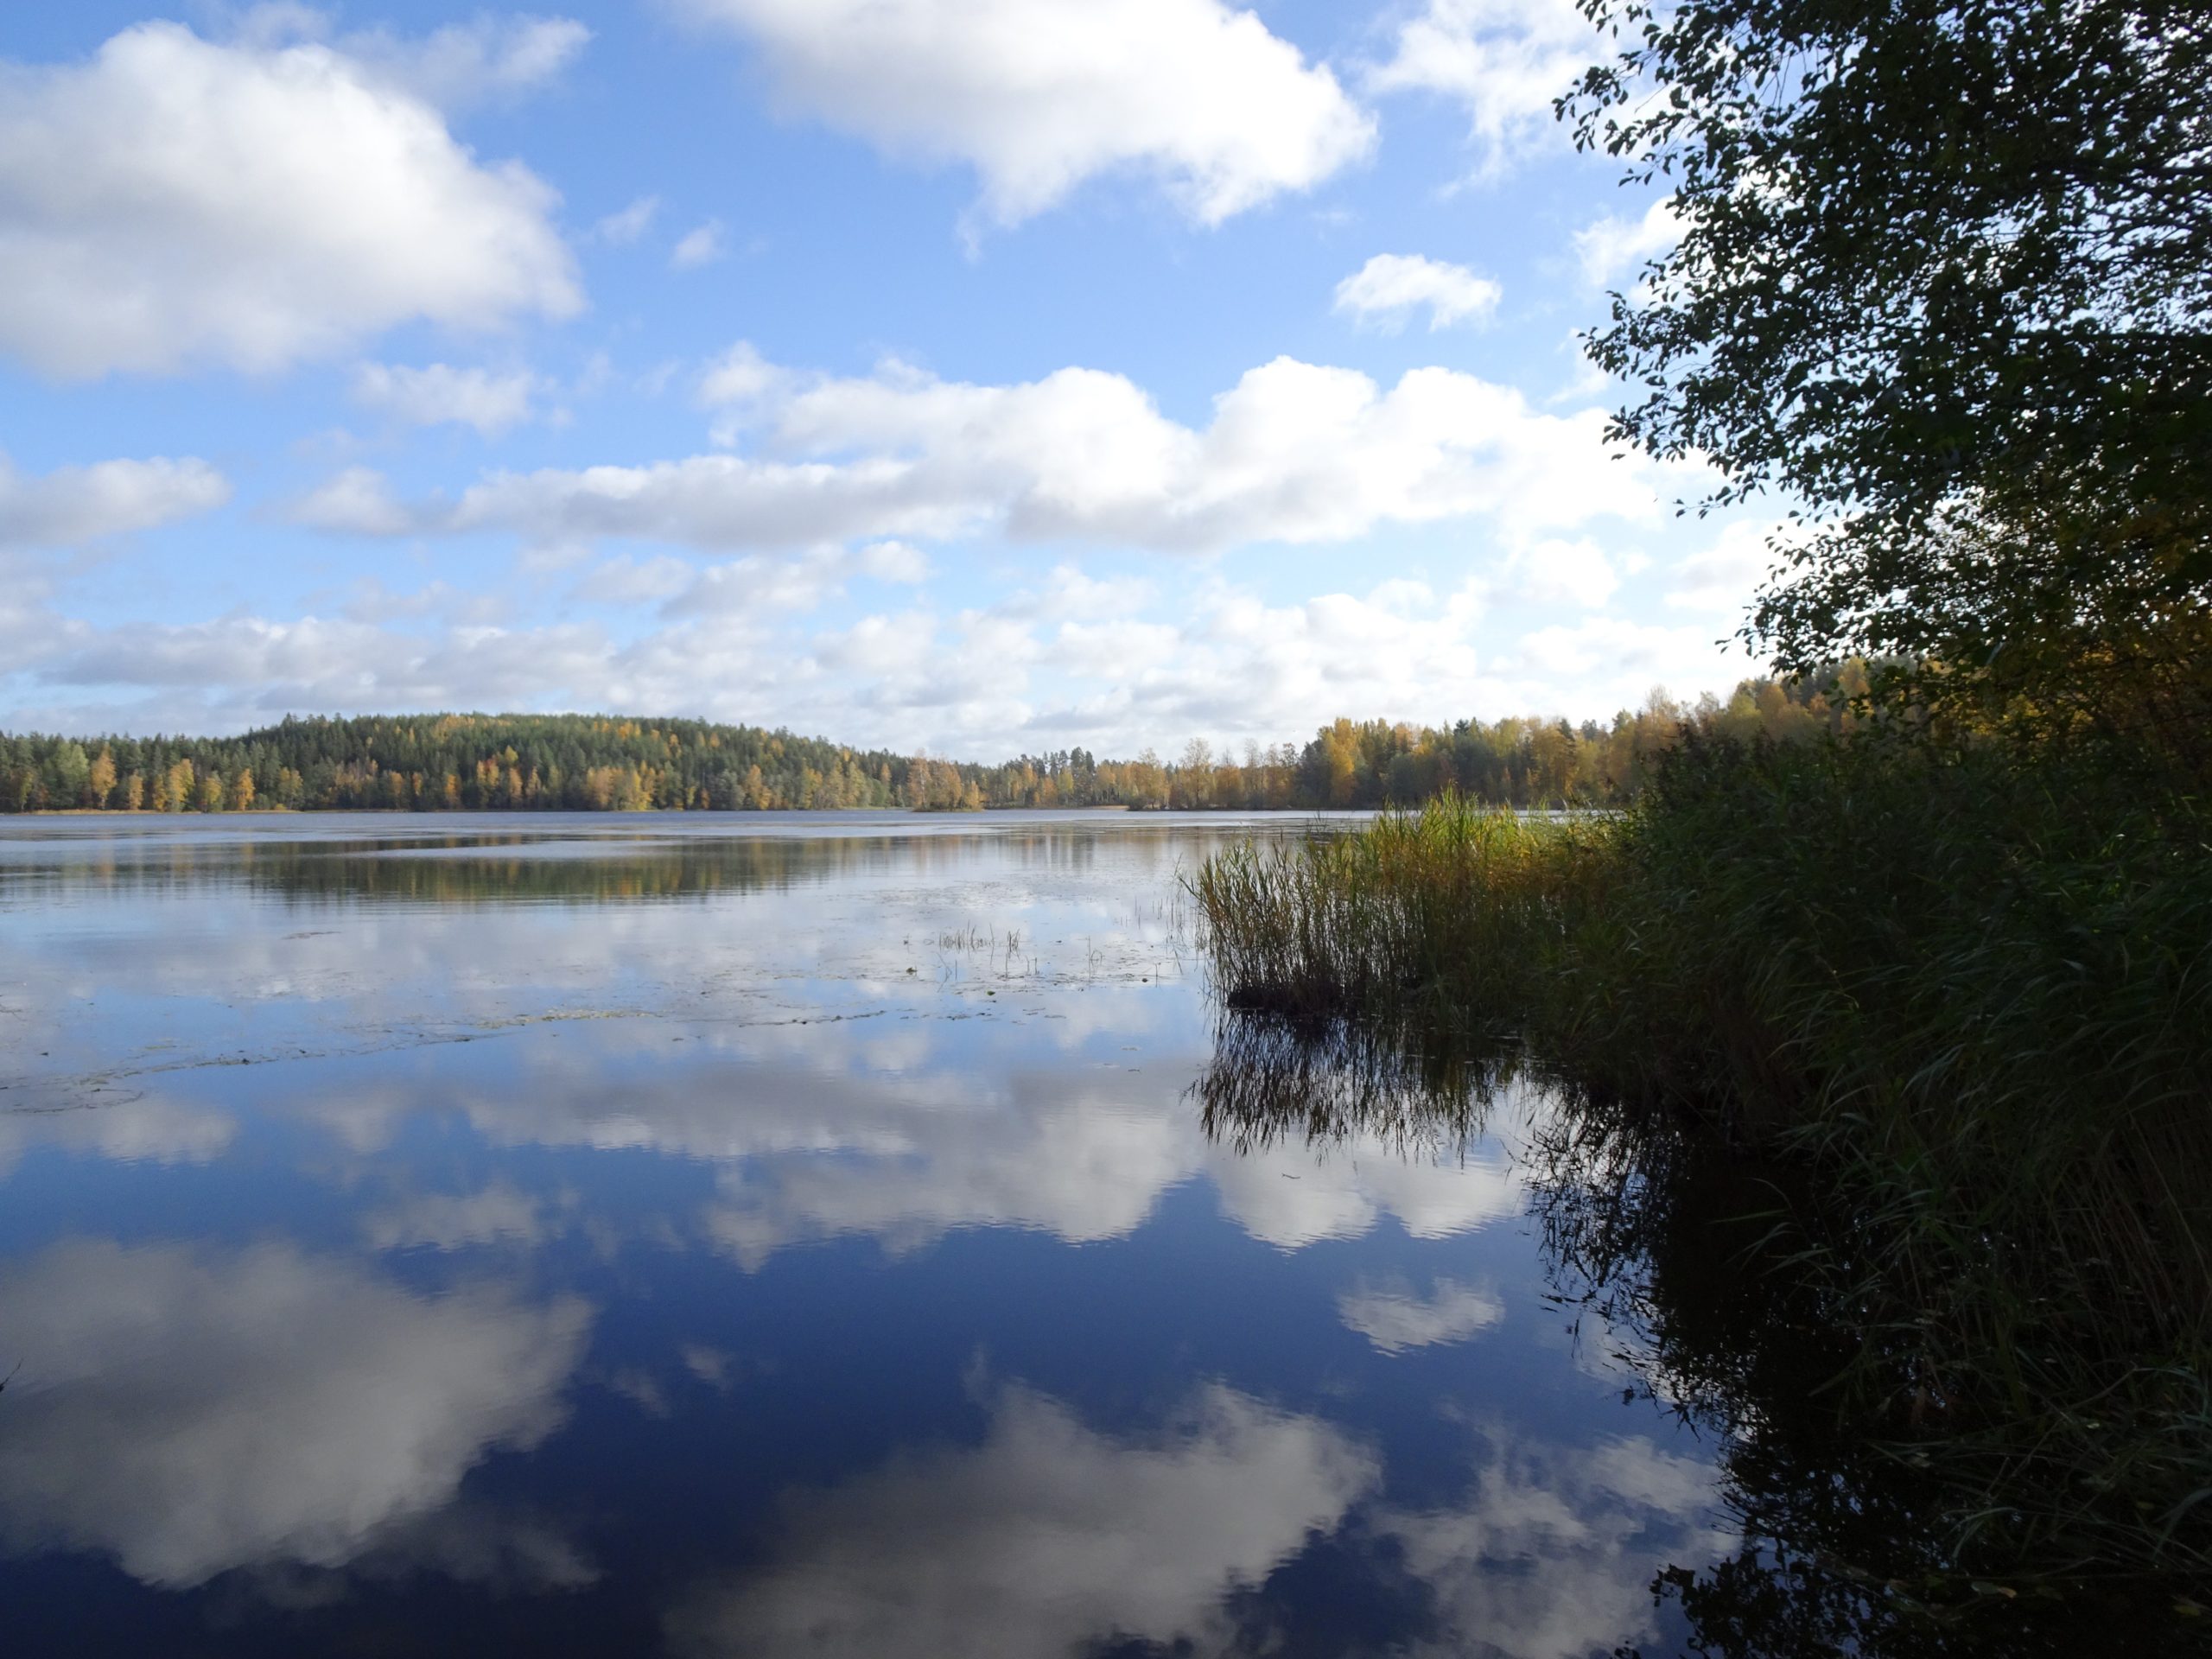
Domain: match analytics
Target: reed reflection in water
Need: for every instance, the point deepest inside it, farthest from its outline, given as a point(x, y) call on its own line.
point(1674, 1273)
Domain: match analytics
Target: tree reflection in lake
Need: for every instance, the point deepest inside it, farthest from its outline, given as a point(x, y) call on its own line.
point(1673, 1264)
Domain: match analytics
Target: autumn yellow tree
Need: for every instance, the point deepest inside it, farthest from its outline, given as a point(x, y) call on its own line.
point(174, 792)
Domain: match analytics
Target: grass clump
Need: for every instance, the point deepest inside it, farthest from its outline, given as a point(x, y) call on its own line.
point(1964, 1006)
point(1453, 915)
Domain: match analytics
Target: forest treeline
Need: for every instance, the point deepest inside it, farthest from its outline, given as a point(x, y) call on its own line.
point(584, 763)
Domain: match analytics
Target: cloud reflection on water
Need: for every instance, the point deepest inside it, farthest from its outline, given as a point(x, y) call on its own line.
point(142, 1129)
point(774, 1081)
point(812, 1143)
point(1396, 1318)
point(1051, 1537)
point(1041, 1540)
point(1552, 1553)
point(191, 1411)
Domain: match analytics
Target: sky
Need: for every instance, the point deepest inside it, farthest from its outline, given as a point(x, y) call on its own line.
point(966, 377)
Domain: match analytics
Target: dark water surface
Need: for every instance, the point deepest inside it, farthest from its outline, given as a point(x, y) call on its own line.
point(750, 1235)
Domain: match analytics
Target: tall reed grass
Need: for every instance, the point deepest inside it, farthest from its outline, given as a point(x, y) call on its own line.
point(1971, 1002)
point(1454, 915)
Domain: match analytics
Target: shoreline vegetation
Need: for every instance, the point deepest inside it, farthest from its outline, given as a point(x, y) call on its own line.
point(479, 763)
point(1928, 1034)
point(1881, 1063)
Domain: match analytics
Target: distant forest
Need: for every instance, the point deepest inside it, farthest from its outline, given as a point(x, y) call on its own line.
point(435, 763)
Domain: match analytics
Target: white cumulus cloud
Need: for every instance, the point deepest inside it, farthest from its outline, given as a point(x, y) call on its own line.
point(1722, 579)
point(619, 229)
point(485, 58)
point(1390, 287)
point(757, 582)
point(728, 639)
point(1295, 452)
point(174, 202)
point(439, 393)
point(1504, 60)
point(1559, 571)
point(1615, 650)
point(704, 245)
point(1612, 247)
point(1039, 96)
point(357, 501)
point(72, 506)
point(740, 375)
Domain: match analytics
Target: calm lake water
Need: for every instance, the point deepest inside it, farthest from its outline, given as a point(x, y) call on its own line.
point(751, 1235)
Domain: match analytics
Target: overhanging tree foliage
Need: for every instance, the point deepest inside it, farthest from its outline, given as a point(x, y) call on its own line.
point(1943, 282)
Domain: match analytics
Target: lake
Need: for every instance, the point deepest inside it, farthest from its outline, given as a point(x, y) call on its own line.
point(761, 1234)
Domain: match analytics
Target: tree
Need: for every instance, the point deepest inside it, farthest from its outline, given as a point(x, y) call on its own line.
point(1551, 764)
point(1944, 282)
point(1196, 775)
point(68, 768)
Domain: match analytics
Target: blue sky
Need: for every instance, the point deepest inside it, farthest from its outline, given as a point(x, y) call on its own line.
point(978, 376)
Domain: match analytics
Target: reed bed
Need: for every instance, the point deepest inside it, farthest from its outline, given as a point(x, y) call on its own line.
point(1970, 1003)
point(1452, 916)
